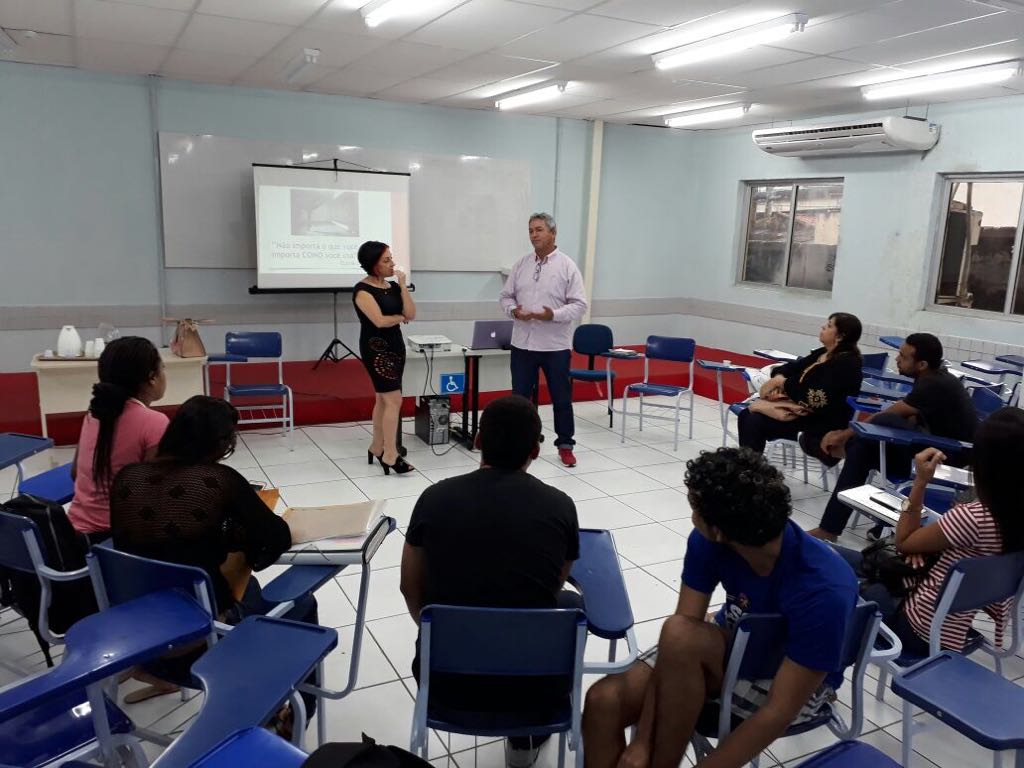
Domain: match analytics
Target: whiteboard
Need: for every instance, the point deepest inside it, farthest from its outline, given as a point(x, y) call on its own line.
point(468, 213)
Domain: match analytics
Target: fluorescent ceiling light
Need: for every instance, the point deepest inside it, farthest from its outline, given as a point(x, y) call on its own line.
point(7, 43)
point(943, 81)
point(703, 116)
point(526, 96)
point(301, 63)
point(731, 42)
point(379, 11)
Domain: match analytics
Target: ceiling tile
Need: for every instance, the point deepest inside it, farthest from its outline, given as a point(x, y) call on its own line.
point(355, 82)
point(666, 13)
point(103, 20)
point(565, 5)
point(410, 59)
point(133, 58)
point(54, 17)
point(577, 36)
point(484, 24)
point(419, 90)
point(45, 48)
point(216, 34)
point(171, 5)
point(293, 12)
point(974, 33)
point(219, 66)
point(488, 67)
point(897, 18)
point(344, 16)
point(336, 48)
point(811, 68)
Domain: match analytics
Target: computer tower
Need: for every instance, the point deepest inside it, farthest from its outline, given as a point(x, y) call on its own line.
point(432, 419)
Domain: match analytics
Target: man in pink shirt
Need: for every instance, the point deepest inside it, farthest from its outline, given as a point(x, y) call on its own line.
point(544, 296)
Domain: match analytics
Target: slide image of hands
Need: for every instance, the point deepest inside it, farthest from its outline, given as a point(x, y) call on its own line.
point(325, 212)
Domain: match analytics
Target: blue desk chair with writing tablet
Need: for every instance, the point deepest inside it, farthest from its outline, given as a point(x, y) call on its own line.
point(259, 345)
point(504, 642)
point(593, 339)
point(758, 648)
point(671, 349)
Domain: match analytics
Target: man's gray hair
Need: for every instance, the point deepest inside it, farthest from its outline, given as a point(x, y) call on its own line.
point(547, 218)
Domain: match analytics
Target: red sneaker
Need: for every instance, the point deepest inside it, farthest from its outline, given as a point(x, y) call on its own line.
point(566, 455)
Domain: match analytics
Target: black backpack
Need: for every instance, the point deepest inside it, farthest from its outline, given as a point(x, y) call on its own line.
point(63, 549)
point(365, 754)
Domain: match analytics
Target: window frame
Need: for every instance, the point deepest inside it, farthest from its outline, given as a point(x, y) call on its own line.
point(741, 261)
point(946, 182)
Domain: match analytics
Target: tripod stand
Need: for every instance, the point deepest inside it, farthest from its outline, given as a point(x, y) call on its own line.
point(331, 353)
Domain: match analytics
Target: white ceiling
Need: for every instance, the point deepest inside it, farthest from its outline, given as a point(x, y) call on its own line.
point(461, 53)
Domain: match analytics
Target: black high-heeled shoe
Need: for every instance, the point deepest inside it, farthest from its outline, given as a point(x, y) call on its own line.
point(370, 456)
point(401, 466)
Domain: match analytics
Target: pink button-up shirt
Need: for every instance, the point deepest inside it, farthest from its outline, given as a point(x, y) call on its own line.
point(556, 284)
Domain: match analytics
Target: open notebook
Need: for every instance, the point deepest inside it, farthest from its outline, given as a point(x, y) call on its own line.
point(337, 521)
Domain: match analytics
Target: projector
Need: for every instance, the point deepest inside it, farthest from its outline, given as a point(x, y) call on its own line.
point(428, 343)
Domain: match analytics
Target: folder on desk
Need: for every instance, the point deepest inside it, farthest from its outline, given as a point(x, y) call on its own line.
point(336, 521)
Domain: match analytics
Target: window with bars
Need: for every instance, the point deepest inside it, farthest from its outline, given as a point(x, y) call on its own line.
point(979, 264)
point(792, 233)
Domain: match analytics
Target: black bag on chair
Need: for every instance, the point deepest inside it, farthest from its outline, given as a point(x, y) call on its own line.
point(883, 564)
point(63, 550)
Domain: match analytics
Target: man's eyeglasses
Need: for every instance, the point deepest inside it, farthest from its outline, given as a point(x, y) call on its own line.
point(536, 270)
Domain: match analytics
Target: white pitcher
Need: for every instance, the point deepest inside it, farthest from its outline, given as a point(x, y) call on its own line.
point(69, 343)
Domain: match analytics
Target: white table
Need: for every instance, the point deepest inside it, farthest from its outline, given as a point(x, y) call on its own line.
point(860, 500)
point(486, 369)
point(65, 386)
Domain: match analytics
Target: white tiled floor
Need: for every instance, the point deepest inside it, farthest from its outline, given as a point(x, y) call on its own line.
point(633, 488)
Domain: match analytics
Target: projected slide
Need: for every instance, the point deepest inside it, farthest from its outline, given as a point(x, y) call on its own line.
point(311, 222)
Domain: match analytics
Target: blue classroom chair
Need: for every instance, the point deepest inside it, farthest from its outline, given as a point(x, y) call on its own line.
point(758, 648)
point(971, 584)
point(259, 345)
point(65, 713)
point(671, 349)
point(53, 485)
point(850, 754)
point(980, 704)
point(593, 339)
point(598, 577)
point(253, 747)
point(243, 690)
point(507, 642)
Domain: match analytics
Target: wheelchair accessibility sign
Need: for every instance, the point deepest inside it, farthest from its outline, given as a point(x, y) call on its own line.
point(453, 383)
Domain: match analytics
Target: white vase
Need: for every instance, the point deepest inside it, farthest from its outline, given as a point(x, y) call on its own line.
point(69, 343)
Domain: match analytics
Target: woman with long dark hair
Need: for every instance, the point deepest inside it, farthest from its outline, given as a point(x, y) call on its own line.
point(382, 306)
point(187, 507)
point(807, 397)
point(120, 428)
point(992, 525)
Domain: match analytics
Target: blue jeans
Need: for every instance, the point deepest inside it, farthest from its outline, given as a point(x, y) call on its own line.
point(526, 366)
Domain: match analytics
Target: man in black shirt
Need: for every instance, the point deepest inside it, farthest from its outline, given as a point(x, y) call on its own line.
point(497, 537)
point(938, 404)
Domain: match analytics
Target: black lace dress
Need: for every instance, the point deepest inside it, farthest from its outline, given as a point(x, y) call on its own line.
point(382, 349)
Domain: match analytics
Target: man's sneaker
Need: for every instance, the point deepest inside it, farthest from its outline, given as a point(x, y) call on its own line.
point(566, 455)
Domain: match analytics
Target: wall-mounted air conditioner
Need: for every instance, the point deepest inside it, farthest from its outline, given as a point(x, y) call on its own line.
point(887, 134)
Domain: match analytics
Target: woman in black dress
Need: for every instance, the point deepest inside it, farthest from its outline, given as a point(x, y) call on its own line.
point(382, 306)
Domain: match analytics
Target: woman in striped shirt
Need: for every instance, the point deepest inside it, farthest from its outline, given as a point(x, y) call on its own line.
point(992, 525)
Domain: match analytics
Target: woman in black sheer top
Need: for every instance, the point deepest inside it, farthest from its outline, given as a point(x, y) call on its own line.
point(186, 507)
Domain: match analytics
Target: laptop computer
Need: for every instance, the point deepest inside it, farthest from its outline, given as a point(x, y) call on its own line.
point(492, 334)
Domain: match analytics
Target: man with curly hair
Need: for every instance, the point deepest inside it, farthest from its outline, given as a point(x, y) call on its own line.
point(744, 540)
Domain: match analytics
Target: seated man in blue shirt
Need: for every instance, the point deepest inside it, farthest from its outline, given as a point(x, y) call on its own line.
point(745, 541)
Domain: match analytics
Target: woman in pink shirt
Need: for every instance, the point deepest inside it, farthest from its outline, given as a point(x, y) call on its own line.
point(120, 428)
